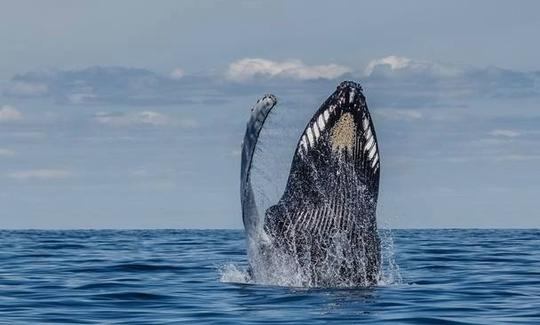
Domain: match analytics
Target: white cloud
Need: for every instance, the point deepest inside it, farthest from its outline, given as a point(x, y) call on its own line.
point(153, 118)
point(177, 74)
point(188, 123)
point(40, 174)
point(140, 172)
point(9, 113)
point(394, 62)
point(24, 88)
point(505, 133)
point(399, 114)
point(6, 152)
point(153, 172)
point(149, 118)
point(81, 96)
point(248, 68)
point(403, 65)
point(136, 118)
point(517, 157)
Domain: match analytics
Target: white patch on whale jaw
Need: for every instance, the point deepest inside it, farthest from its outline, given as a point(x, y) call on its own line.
point(343, 134)
point(346, 137)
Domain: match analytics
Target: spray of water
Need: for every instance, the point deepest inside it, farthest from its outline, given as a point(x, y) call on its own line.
point(232, 273)
point(286, 273)
point(390, 273)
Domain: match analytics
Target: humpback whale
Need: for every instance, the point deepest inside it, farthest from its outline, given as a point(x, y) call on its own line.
point(323, 229)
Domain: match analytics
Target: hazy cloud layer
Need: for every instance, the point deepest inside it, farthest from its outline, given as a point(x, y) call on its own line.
point(39, 174)
point(9, 113)
point(143, 118)
point(399, 114)
point(136, 118)
point(505, 133)
point(110, 85)
point(6, 152)
point(405, 82)
point(393, 81)
point(177, 73)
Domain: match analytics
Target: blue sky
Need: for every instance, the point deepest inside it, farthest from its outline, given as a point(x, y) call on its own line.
point(130, 114)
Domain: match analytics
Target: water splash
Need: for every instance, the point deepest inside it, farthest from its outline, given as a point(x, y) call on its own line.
point(232, 273)
point(390, 273)
point(283, 271)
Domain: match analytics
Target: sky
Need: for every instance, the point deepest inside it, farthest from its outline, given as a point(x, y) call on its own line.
point(131, 114)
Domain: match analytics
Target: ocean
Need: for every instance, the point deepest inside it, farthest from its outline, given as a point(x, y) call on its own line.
point(198, 276)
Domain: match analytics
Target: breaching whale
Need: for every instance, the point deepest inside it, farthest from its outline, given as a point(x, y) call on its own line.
point(323, 230)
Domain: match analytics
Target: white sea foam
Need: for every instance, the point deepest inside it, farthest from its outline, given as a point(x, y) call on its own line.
point(231, 273)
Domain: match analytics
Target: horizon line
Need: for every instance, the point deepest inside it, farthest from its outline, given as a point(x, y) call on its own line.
point(241, 229)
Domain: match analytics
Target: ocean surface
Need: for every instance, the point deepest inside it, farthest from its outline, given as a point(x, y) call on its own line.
point(198, 276)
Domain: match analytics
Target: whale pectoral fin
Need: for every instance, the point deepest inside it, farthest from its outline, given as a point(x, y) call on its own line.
point(259, 113)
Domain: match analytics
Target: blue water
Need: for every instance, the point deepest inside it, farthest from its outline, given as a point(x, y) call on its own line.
point(175, 276)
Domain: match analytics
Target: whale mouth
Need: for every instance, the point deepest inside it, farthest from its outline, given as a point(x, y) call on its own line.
point(339, 138)
point(345, 122)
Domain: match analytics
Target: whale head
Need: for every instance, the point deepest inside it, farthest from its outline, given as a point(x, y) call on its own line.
point(338, 141)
